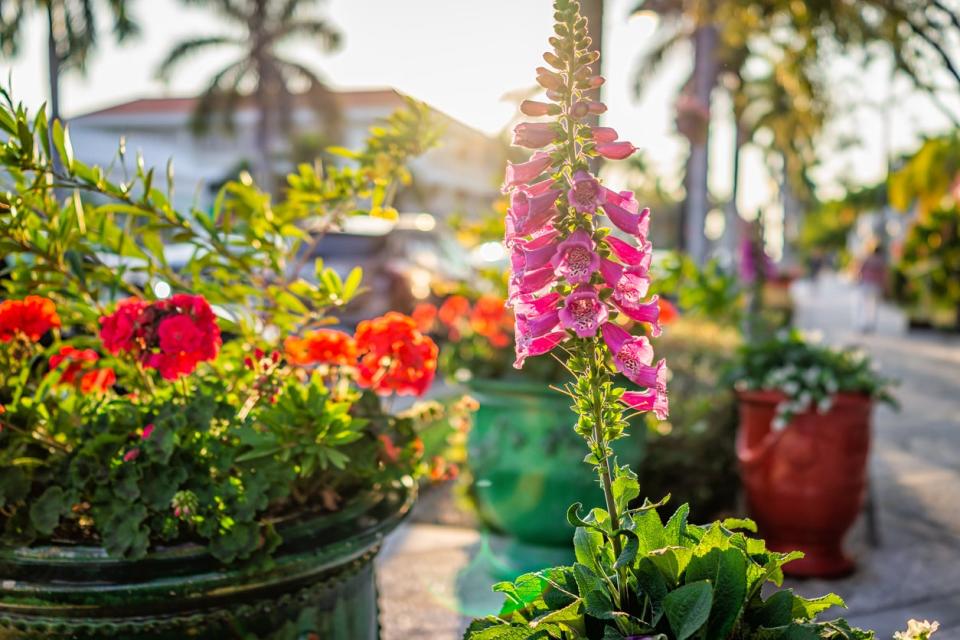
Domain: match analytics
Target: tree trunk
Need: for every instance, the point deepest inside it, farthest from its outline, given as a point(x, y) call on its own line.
point(263, 167)
point(731, 230)
point(53, 65)
point(704, 80)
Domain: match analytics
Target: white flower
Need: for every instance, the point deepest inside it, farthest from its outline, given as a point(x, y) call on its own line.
point(779, 423)
point(917, 630)
point(790, 387)
point(804, 399)
point(831, 385)
point(825, 404)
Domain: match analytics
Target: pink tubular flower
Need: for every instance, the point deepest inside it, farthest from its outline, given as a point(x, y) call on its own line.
point(531, 282)
point(624, 199)
point(576, 259)
point(629, 287)
point(647, 312)
point(534, 135)
point(583, 312)
point(529, 214)
point(651, 377)
point(632, 355)
point(636, 224)
point(585, 194)
point(603, 135)
point(539, 325)
point(549, 79)
point(650, 400)
point(530, 305)
point(637, 259)
point(147, 431)
point(615, 150)
point(528, 347)
point(534, 109)
point(524, 172)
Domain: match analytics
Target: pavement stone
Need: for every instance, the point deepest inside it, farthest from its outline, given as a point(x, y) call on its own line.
point(434, 578)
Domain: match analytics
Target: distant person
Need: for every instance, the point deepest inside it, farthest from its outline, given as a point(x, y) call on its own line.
point(872, 277)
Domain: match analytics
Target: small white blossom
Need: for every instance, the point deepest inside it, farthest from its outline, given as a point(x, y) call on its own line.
point(779, 423)
point(790, 387)
point(825, 404)
point(917, 630)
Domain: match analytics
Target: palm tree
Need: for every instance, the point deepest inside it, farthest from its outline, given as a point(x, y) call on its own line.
point(261, 26)
point(71, 34)
point(726, 34)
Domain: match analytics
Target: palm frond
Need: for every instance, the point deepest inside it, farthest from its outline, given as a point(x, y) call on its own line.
point(222, 96)
point(651, 61)
point(318, 30)
point(322, 99)
point(186, 48)
point(230, 8)
point(11, 22)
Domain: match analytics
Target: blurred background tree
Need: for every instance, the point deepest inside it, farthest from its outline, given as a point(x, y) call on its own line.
point(261, 71)
point(785, 106)
point(72, 33)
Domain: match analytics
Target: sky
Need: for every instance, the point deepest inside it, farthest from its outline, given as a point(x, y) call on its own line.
point(463, 56)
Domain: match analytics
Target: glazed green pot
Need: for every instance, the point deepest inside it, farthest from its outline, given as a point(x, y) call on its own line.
point(527, 464)
point(319, 583)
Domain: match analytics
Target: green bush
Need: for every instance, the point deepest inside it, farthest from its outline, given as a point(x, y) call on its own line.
point(693, 456)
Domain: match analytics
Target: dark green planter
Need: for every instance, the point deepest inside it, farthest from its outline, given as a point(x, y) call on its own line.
point(319, 584)
point(526, 461)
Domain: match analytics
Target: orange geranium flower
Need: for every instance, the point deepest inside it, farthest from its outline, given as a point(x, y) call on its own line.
point(394, 356)
point(31, 317)
point(322, 346)
point(668, 311)
point(425, 315)
point(98, 380)
point(452, 309)
point(491, 319)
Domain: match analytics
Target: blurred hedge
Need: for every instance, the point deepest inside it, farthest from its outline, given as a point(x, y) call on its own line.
point(693, 456)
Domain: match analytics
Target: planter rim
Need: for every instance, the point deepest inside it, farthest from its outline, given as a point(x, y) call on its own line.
point(382, 510)
point(774, 396)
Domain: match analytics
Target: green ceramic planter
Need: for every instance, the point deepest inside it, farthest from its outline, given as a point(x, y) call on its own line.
point(526, 461)
point(319, 583)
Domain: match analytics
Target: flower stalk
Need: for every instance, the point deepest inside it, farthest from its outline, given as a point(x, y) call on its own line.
point(574, 278)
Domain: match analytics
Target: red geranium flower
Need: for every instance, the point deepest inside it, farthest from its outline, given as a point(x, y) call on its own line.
point(323, 346)
point(119, 330)
point(79, 359)
point(98, 380)
point(395, 356)
point(31, 317)
point(172, 336)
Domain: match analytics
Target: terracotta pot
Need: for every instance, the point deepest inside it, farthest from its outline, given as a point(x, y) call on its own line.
point(805, 484)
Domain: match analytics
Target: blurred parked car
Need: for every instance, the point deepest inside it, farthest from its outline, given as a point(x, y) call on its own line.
point(404, 262)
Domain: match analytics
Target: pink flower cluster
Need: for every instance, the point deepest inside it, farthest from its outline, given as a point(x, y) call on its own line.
point(172, 336)
point(570, 278)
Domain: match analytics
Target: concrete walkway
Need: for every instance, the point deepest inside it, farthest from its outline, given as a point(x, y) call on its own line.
point(434, 578)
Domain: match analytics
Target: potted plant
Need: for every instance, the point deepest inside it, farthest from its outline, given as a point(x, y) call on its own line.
point(803, 443)
point(635, 577)
point(191, 451)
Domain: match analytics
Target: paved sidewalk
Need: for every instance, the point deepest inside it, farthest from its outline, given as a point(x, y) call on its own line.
point(915, 469)
point(434, 578)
